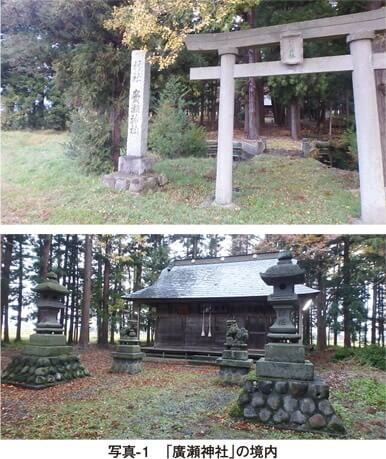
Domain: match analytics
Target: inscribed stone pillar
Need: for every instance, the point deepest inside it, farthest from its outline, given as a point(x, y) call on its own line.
point(135, 161)
point(373, 206)
point(225, 128)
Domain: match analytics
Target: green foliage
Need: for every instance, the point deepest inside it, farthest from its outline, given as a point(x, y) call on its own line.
point(349, 140)
point(171, 133)
point(344, 353)
point(90, 142)
point(368, 391)
point(374, 356)
point(234, 410)
point(370, 355)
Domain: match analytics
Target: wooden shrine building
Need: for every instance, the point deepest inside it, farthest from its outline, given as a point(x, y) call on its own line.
point(193, 299)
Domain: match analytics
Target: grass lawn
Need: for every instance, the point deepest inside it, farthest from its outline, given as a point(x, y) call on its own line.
point(172, 400)
point(40, 184)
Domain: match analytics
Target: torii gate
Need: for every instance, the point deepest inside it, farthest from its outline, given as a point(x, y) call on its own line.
point(360, 31)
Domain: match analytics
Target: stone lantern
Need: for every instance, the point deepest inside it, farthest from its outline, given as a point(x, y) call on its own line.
point(285, 392)
point(283, 276)
point(284, 357)
point(46, 360)
point(49, 305)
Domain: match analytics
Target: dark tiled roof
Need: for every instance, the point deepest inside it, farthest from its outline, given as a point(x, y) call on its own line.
point(227, 277)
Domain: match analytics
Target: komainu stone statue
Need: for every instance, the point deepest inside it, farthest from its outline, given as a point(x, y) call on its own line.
point(235, 337)
point(234, 363)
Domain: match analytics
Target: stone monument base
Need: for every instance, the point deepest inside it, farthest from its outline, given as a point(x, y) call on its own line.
point(135, 175)
point(234, 371)
point(135, 184)
point(46, 361)
point(290, 404)
point(127, 359)
point(284, 360)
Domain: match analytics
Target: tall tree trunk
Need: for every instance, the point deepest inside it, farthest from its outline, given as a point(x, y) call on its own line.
point(347, 325)
point(20, 291)
point(85, 326)
point(74, 253)
point(45, 263)
point(105, 296)
point(115, 121)
point(321, 314)
point(374, 313)
point(7, 248)
point(278, 112)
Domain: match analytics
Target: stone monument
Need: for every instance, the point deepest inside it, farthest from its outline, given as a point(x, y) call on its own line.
point(47, 360)
point(128, 357)
point(234, 363)
point(286, 393)
point(135, 168)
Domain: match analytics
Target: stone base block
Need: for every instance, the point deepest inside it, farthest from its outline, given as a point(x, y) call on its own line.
point(235, 354)
point(130, 366)
point(40, 372)
point(284, 352)
point(135, 165)
point(290, 404)
point(287, 370)
point(43, 339)
point(47, 351)
point(128, 348)
point(128, 355)
point(234, 371)
point(135, 184)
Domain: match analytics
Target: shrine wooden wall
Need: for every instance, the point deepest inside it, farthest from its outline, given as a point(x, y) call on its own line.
point(180, 324)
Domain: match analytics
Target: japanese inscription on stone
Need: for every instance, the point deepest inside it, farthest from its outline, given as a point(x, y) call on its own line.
point(138, 104)
point(291, 48)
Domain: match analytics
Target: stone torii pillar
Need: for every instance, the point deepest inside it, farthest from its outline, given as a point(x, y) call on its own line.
point(373, 206)
point(225, 128)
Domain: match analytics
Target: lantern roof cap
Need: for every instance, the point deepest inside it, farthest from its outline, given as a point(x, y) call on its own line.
point(51, 284)
point(283, 270)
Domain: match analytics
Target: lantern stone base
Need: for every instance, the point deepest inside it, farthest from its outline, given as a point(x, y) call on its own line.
point(127, 359)
point(46, 361)
point(234, 371)
point(291, 370)
point(290, 404)
point(39, 372)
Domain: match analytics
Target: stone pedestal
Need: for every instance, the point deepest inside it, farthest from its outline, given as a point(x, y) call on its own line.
point(128, 357)
point(135, 184)
point(283, 360)
point(291, 404)
point(45, 362)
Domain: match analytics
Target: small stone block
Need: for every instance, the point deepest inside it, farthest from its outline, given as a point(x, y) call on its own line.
point(249, 412)
point(265, 414)
point(317, 421)
point(284, 352)
point(307, 406)
point(303, 371)
point(47, 340)
point(46, 351)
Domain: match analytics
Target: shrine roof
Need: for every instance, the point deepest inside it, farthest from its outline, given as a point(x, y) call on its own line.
point(215, 278)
